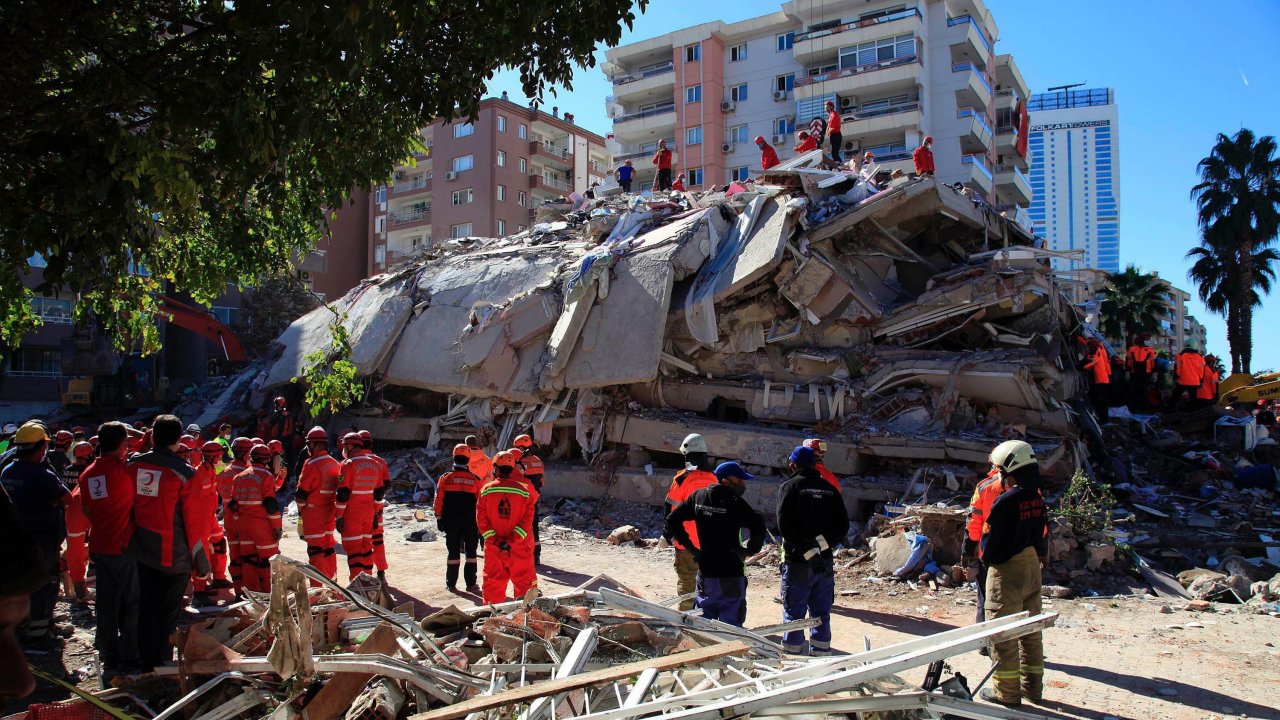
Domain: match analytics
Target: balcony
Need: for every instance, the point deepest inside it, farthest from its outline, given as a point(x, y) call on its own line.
point(1009, 76)
point(975, 133)
point(1013, 185)
point(411, 186)
point(976, 174)
point(544, 184)
point(645, 83)
point(641, 158)
point(1006, 99)
point(870, 79)
point(897, 117)
point(976, 91)
point(1007, 139)
point(646, 122)
point(410, 215)
point(550, 153)
point(970, 43)
point(814, 44)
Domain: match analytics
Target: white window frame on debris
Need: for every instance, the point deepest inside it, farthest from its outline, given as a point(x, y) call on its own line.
point(502, 158)
point(737, 134)
point(502, 193)
point(738, 93)
point(463, 197)
point(695, 177)
point(502, 123)
point(462, 163)
point(693, 94)
point(693, 136)
point(460, 230)
point(463, 130)
point(693, 53)
point(738, 53)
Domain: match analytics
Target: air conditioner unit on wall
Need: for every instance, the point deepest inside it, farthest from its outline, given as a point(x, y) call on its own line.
point(451, 175)
point(727, 147)
point(849, 146)
point(779, 95)
point(779, 139)
point(728, 106)
point(846, 103)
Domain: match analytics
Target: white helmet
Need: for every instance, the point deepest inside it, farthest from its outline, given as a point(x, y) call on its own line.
point(10, 429)
point(693, 444)
point(1013, 454)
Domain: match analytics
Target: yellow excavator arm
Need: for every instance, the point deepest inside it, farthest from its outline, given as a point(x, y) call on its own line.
point(1245, 388)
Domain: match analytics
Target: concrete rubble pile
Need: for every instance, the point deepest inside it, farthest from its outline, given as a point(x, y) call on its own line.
point(596, 652)
point(907, 324)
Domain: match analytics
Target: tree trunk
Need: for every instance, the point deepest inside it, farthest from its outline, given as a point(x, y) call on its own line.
point(1244, 315)
point(1233, 325)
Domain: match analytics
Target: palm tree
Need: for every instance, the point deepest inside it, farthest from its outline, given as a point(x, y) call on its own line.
point(1238, 209)
point(1215, 273)
point(1132, 302)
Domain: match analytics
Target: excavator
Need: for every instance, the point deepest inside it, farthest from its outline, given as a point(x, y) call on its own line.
point(106, 383)
point(1246, 388)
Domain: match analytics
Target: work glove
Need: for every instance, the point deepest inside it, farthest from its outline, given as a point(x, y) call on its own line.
point(337, 524)
point(504, 546)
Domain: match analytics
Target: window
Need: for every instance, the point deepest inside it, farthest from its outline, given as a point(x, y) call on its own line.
point(737, 134)
point(502, 193)
point(464, 162)
point(693, 94)
point(380, 254)
point(522, 132)
point(738, 53)
point(693, 136)
point(502, 228)
point(463, 130)
point(693, 53)
point(380, 225)
point(524, 166)
point(876, 51)
point(784, 126)
point(463, 197)
point(784, 83)
point(34, 362)
point(738, 174)
point(502, 158)
point(521, 200)
point(695, 177)
point(502, 123)
point(738, 93)
point(382, 193)
point(56, 311)
point(786, 41)
point(460, 231)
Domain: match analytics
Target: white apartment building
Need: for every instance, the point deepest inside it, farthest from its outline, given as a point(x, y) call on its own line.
point(1075, 174)
point(898, 71)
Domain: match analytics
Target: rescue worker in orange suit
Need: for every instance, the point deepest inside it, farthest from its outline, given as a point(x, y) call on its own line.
point(504, 516)
point(205, 496)
point(819, 448)
point(922, 157)
point(59, 454)
point(379, 549)
point(240, 448)
point(259, 517)
point(276, 464)
point(534, 471)
point(317, 489)
point(77, 522)
point(979, 505)
point(1188, 373)
point(1141, 361)
point(698, 473)
point(455, 509)
point(167, 549)
point(360, 488)
point(1099, 366)
point(1206, 395)
point(481, 464)
point(768, 156)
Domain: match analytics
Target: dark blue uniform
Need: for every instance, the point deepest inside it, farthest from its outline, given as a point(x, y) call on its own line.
point(719, 515)
point(812, 520)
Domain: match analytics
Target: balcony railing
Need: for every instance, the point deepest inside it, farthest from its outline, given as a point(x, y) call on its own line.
point(891, 110)
point(857, 24)
point(414, 214)
point(641, 75)
point(1007, 130)
point(551, 149)
point(970, 67)
point(637, 154)
point(549, 182)
point(977, 116)
point(890, 157)
point(980, 162)
point(857, 70)
point(1014, 169)
point(660, 110)
point(961, 20)
point(416, 183)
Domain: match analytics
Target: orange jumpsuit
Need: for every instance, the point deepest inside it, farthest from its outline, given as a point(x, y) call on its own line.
point(535, 471)
point(481, 465)
point(260, 524)
point(77, 537)
point(317, 486)
point(380, 550)
point(360, 480)
point(204, 499)
point(231, 547)
point(504, 515)
point(1206, 394)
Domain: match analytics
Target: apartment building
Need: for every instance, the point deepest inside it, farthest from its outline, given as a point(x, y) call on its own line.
point(897, 71)
point(1075, 175)
point(481, 178)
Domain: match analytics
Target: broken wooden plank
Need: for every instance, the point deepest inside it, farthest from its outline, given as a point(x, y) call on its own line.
point(618, 672)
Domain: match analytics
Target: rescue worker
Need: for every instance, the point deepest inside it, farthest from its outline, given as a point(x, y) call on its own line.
point(379, 549)
point(77, 554)
point(807, 143)
point(922, 157)
point(1207, 393)
point(77, 435)
point(40, 498)
point(662, 160)
point(720, 514)
point(819, 448)
point(59, 455)
point(106, 494)
point(1141, 361)
point(833, 131)
point(317, 488)
point(1098, 363)
point(260, 524)
point(812, 520)
point(697, 474)
point(167, 550)
point(504, 516)
point(276, 464)
point(979, 507)
point(768, 156)
point(1015, 545)
point(534, 470)
point(224, 439)
point(1188, 373)
point(360, 488)
point(194, 431)
point(205, 497)
point(678, 185)
point(235, 547)
point(21, 572)
point(455, 507)
point(481, 464)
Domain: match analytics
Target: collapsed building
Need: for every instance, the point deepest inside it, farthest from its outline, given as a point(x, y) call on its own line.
point(909, 324)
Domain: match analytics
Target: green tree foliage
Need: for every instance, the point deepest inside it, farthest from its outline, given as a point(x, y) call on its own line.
point(1238, 208)
point(330, 376)
point(1132, 303)
point(202, 142)
point(1086, 503)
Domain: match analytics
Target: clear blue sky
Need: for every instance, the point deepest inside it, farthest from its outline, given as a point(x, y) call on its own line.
point(1183, 71)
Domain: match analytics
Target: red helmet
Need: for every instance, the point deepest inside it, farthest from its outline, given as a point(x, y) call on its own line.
point(241, 445)
point(517, 453)
point(77, 430)
point(213, 447)
point(190, 442)
point(816, 445)
point(352, 440)
point(94, 442)
point(258, 441)
point(62, 437)
point(366, 437)
point(504, 459)
point(276, 446)
point(523, 441)
point(260, 453)
point(759, 139)
point(279, 401)
point(317, 434)
point(82, 451)
point(183, 449)
point(462, 450)
point(928, 139)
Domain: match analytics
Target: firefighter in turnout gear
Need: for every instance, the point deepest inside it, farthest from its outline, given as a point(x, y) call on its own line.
point(240, 448)
point(504, 515)
point(534, 471)
point(696, 475)
point(258, 511)
point(317, 503)
point(361, 486)
point(455, 508)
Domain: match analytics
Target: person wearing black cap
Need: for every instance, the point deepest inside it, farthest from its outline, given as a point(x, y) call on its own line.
point(812, 520)
point(719, 513)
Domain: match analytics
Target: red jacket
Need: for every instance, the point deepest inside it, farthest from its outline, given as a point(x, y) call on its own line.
point(164, 512)
point(361, 481)
point(227, 480)
point(923, 160)
point(505, 511)
point(809, 144)
point(833, 123)
point(204, 496)
point(1100, 365)
point(534, 469)
point(106, 495)
point(1141, 357)
point(318, 485)
point(455, 504)
point(684, 484)
point(662, 159)
point(254, 493)
point(1208, 390)
point(1189, 368)
point(768, 157)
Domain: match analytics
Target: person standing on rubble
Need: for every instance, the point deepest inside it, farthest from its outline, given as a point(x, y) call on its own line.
point(260, 522)
point(625, 172)
point(361, 487)
point(819, 448)
point(455, 509)
point(77, 555)
point(1188, 373)
point(720, 513)
point(504, 516)
point(481, 464)
point(922, 157)
point(662, 159)
point(377, 539)
point(678, 185)
point(240, 448)
point(1142, 362)
point(833, 131)
point(534, 471)
point(768, 156)
point(59, 456)
point(205, 497)
point(1098, 363)
point(168, 553)
point(1015, 547)
point(812, 520)
point(807, 143)
point(697, 474)
point(1207, 393)
point(317, 487)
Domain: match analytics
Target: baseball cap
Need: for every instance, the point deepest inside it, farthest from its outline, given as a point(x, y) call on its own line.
point(30, 433)
point(732, 470)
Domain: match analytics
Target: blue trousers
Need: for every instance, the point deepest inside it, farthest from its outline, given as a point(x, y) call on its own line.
point(807, 594)
point(723, 599)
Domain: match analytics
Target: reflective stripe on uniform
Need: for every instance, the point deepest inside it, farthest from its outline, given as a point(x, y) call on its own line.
point(503, 489)
point(520, 531)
